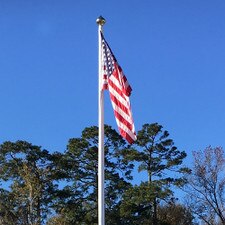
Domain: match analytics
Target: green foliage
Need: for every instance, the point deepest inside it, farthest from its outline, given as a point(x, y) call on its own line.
point(28, 170)
point(156, 155)
point(33, 176)
point(136, 207)
point(156, 152)
point(82, 170)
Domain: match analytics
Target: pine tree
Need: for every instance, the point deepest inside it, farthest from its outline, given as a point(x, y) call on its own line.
point(155, 154)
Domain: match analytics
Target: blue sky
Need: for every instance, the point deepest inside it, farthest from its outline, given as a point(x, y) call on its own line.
point(172, 52)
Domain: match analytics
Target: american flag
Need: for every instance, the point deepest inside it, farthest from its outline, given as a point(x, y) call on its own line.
point(115, 81)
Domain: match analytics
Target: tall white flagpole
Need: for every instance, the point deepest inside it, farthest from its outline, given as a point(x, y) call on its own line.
point(101, 156)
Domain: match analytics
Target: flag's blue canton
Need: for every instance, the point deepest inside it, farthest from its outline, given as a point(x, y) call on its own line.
point(108, 58)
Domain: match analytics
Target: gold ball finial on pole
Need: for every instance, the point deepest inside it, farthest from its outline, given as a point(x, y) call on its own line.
point(100, 21)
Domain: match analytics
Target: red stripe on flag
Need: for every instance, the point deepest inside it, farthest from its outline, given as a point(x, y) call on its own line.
point(123, 80)
point(115, 87)
point(123, 120)
point(119, 104)
point(125, 135)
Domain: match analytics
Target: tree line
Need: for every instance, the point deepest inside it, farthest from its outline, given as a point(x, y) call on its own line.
point(60, 188)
